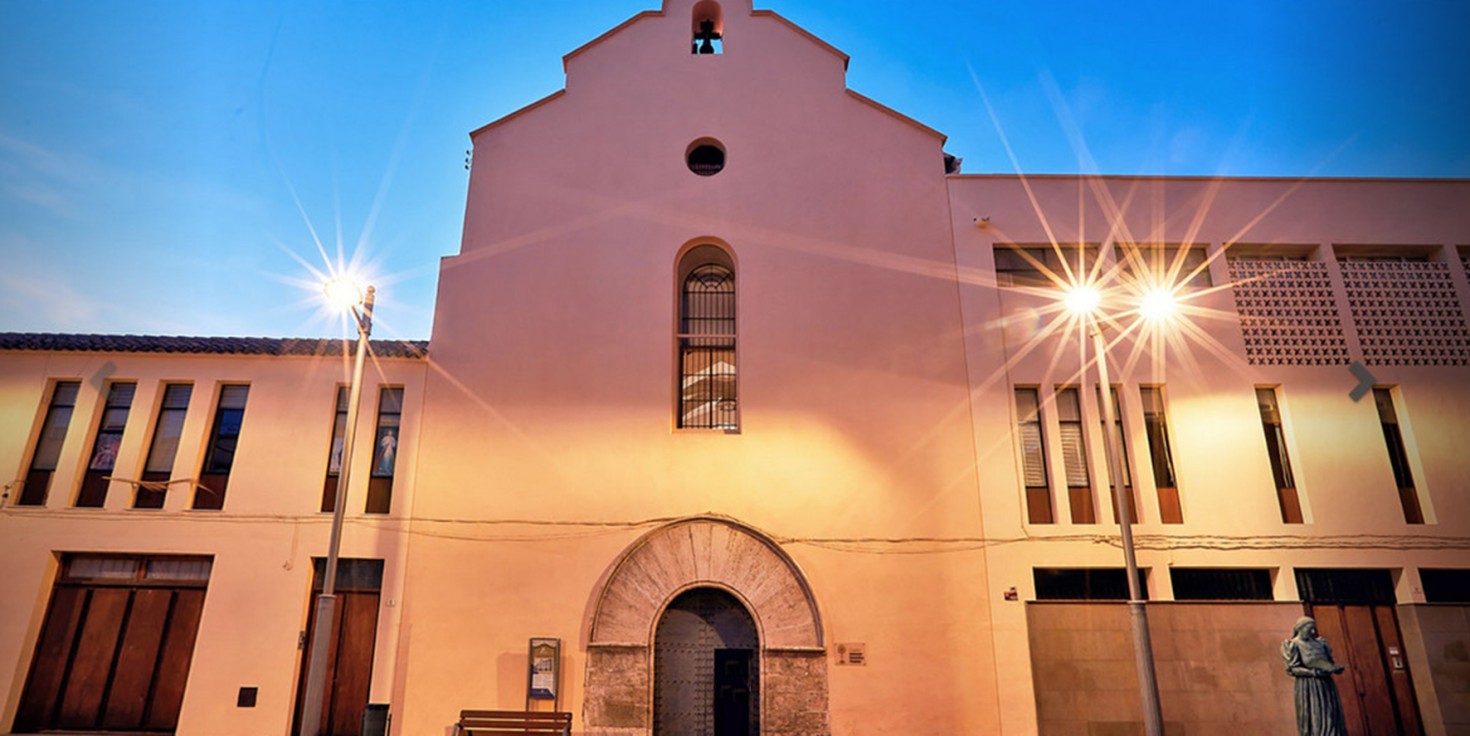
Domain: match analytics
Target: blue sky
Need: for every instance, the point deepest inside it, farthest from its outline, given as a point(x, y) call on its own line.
point(168, 167)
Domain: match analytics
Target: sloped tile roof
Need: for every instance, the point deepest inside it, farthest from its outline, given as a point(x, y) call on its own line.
point(312, 346)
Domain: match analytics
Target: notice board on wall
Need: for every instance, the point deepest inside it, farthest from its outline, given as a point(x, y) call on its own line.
point(545, 669)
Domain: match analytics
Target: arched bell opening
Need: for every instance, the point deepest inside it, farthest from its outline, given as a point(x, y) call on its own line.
point(708, 26)
point(706, 667)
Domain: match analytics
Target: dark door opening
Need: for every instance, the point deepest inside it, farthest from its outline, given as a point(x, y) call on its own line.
point(732, 691)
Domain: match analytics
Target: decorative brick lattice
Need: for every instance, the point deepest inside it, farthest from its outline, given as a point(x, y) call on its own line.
point(1287, 312)
point(1406, 312)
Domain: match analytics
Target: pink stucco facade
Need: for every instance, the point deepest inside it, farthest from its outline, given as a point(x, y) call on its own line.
point(876, 489)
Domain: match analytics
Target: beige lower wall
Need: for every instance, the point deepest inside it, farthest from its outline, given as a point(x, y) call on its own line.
point(1219, 668)
point(1438, 635)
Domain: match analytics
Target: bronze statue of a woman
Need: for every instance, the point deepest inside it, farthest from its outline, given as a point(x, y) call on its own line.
point(1309, 660)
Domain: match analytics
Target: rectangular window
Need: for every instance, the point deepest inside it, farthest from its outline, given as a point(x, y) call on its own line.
point(1398, 457)
point(385, 451)
point(1291, 508)
point(1157, 429)
point(219, 457)
point(1033, 456)
point(1221, 584)
point(1085, 584)
point(1346, 586)
point(159, 468)
point(1445, 586)
point(334, 456)
point(1074, 456)
point(1042, 265)
point(104, 447)
point(48, 445)
point(1118, 437)
point(1167, 265)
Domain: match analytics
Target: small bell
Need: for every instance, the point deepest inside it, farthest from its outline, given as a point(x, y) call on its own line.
point(706, 36)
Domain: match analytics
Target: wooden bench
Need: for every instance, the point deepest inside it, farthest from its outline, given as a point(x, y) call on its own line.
point(513, 722)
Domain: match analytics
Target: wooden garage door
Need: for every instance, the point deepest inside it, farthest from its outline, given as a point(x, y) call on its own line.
point(115, 648)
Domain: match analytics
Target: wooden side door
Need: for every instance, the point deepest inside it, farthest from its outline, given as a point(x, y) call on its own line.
point(350, 652)
point(1377, 693)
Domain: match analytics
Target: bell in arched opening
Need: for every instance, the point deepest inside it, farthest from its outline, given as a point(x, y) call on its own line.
point(708, 27)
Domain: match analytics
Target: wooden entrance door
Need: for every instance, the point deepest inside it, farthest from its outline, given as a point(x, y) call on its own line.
point(706, 671)
point(1377, 693)
point(350, 653)
point(116, 645)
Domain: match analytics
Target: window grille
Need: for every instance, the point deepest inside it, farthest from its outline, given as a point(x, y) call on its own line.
point(1346, 587)
point(1406, 311)
point(1221, 584)
point(1085, 584)
point(1288, 313)
point(707, 348)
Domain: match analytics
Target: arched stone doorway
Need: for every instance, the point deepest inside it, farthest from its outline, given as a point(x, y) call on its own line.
point(706, 667)
point(697, 554)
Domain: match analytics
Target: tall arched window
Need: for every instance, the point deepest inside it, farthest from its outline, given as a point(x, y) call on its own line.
point(706, 339)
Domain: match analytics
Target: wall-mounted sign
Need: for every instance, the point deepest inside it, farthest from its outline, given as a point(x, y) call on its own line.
point(545, 667)
point(852, 654)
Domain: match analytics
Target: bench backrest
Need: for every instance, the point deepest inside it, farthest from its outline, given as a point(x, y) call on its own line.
point(515, 721)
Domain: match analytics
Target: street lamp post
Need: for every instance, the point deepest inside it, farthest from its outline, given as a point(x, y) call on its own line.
point(1084, 302)
point(344, 293)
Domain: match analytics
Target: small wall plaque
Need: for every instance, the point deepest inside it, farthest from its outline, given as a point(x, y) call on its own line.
point(852, 654)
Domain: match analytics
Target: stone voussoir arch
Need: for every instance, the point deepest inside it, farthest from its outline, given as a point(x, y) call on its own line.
point(713, 551)
point(716, 552)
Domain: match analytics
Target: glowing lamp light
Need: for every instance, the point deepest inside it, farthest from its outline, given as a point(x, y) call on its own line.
point(1158, 305)
point(1083, 300)
point(342, 292)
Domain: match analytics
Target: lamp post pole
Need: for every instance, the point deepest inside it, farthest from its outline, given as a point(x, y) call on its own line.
point(326, 605)
point(1148, 683)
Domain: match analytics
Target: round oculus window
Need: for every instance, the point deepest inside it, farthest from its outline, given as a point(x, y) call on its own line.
point(705, 157)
